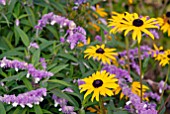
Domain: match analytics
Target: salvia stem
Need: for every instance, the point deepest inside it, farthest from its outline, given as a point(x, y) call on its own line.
point(165, 84)
point(127, 50)
point(140, 66)
point(102, 110)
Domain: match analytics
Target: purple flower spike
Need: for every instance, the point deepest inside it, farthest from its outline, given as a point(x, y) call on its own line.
point(75, 34)
point(97, 37)
point(120, 73)
point(43, 63)
point(3, 2)
point(25, 99)
point(36, 74)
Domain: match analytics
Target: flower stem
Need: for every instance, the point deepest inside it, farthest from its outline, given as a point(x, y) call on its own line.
point(102, 110)
point(127, 50)
point(140, 66)
point(165, 84)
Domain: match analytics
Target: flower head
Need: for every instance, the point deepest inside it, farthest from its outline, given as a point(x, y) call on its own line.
point(100, 83)
point(164, 23)
point(132, 22)
point(164, 57)
point(138, 25)
point(154, 52)
point(100, 11)
point(101, 53)
point(115, 21)
point(135, 88)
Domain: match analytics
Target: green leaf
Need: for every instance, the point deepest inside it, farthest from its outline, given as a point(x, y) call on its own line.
point(2, 109)
point(164, 109)
point(82, 68)
point(121, 112)
point(38, 109)
point(68, 56)
point(31, 17)
point(18, 110)
point(95, 2)
point(46, 111)
point(45, 44)
point(53, 31)
point(58, 68)
point(60, 82)
point(18, 87)
point(7, 41)
point(59, 93)
point(15, 77)
point(27, 83)
point(12, 5)
point(58, 6)
point(23, 36)
point(12, 52)
point(36, 57)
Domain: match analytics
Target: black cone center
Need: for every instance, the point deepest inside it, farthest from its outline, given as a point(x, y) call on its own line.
point(167, 14)
point(168, 56)
point(137, 22)
point(97, 83)
point(100, 50)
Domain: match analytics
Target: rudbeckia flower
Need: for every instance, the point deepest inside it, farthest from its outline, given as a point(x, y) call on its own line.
point(163, 57)
point(115, 21)
point(100, 11)
point(80, 44)
point(101, 53)
point(95, 109)
point(132, 22)
point(100, 83)
point(154, 52)
point(138, 25)
point(165, 23)
point(135, 88)
point(130, 1)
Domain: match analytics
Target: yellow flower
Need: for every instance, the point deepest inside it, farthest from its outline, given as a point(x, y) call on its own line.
point(135, 88)
point(115, 21)
point(138, 25)
point(94, 26)
point(165, 23)
point(101, 53)
point(130, 1)
point(163, 57)
point(100, 83)
point(100, 11)
point(95, 109)
point(156, 50)
point(80, 44)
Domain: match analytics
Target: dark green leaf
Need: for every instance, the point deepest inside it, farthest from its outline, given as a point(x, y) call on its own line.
point(31, 17)
point(59, 82)
point(27, 83)
point(60, 94)
point(38, 109)
point(58, 68)
point(23, 36)
point(2, 109)
point(68, 56)
point(46, 111)
point(36, 57)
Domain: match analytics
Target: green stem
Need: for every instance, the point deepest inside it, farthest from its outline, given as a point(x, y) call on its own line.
point(127, 50)
point(167, 75)
point(140, 66)
point(102, 110)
